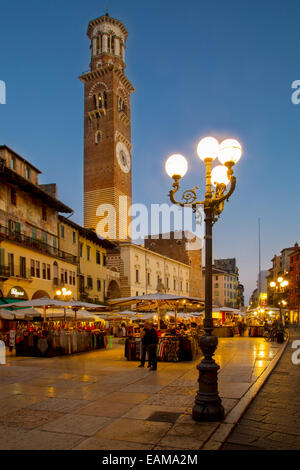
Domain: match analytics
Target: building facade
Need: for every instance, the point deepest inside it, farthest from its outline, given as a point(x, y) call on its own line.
point(280, 267)
point(30, 256)
point(225, 288)
point(294, 285)
point(233, 290)
point(91, 252)
point(141, 270)
point(183, 247)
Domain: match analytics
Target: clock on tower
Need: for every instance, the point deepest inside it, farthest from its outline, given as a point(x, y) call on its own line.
point(107, 127)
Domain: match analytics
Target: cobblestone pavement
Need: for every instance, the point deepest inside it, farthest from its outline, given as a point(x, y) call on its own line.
point(273, 419)
point(98, 400)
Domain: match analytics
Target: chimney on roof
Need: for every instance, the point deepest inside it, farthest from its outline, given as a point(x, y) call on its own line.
point(50, 189)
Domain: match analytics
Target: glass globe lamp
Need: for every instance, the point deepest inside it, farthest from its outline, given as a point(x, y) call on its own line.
point(208, 149)
point(219, 175)
point(230, 151)
point(176, 165)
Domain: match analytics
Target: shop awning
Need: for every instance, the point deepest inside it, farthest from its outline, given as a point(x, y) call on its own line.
point(45, 302)
point(156, 297)
point(6, 314)
point(6, 302)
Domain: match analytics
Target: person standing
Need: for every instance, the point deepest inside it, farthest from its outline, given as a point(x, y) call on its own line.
point(145, 344)
point(152, 347)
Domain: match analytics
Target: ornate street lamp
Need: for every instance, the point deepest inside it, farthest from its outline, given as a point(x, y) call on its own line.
point(208, 405)
point(280, 288)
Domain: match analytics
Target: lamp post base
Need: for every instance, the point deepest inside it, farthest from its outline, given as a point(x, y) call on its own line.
point(208, 405)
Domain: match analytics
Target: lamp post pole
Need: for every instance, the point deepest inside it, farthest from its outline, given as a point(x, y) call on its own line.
point(208, 405)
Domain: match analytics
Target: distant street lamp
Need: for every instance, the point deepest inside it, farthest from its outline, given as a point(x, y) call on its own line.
point(280, 288)
point(208, 405)
point(64, 293)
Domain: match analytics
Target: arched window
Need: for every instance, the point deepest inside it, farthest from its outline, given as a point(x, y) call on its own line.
point(101, 100)
point(111, 44)
point(122, 105)
point(98, 137)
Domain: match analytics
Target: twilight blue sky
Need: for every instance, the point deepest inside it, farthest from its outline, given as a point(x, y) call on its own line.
point(221, 67)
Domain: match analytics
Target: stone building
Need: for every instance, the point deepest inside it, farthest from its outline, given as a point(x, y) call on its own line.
point(30, 257)
point(40, 250)
point(183, 247)
point(225, 287)
point(280, 267)
point(91, 253)
point(141, 270)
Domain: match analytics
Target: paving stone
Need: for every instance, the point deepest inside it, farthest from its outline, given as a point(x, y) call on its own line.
point(170, 390)
point(28, 419)
point(62, 405)
point(233, 390)
point(135, 430)
point(77, 424)
point(170, 442)
point(199, 431)
point(148, 389)
point(170, 400)
point(42, 440)
point(112, 410)
point(111, 444)
point(125, 397)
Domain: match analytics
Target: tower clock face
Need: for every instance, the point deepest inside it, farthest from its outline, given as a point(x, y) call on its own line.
point(123, 157)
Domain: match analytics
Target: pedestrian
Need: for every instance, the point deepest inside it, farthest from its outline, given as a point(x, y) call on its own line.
point(144, 344)
point(241, 328)
point(152, 347)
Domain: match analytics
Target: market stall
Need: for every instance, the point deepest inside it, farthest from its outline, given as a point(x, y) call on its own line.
point(175, 343)
point(228, 322)
point(52, 328)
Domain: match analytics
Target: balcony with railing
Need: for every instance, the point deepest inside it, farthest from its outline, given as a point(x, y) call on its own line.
point(36, 244)
point(18, 272)
point(4, 273)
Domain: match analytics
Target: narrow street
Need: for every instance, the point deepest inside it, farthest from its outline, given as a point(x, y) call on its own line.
point(273, 419)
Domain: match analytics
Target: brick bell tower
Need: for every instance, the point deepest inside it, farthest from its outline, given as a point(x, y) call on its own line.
point(107, 130)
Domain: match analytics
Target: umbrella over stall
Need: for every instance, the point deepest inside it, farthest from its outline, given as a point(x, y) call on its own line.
point(46, 303)
point(157, 300)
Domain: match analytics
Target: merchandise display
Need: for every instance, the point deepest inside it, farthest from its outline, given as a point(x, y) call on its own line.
point(55, 339)
point(172, 347)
